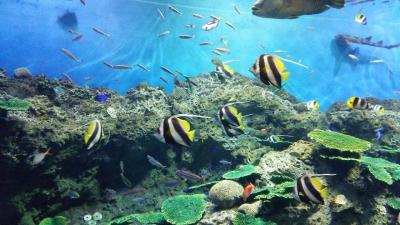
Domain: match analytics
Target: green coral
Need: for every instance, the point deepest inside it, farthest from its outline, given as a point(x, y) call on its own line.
point(243, 171)
point(142, 218)
point(203, 185)
point(14, 104)
point(382, 169)
point(58, 220)
point(184, 209)
point(393, 203)
point(243, 219)
point(338, 141)
point(280, 191)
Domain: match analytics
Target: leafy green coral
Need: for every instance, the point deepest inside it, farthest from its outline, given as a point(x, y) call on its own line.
point(142, 218)
point(393, 203)
point(203, 185)
point(58, 220)
point(280, 191)
point(184, 209)
point(338, 141)
point(243, 219)
point(14, 104)
point(243, 171)
point(382, 169)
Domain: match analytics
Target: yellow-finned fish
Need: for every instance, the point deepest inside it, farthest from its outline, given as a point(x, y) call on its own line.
point(310, 188)
point(270, 70)
point(357, 103)
point(93, 134)
point(231, 120)
point(223, 67)
point(312, 106)
point(175, 131)
point(378, 108)
point(361, 18)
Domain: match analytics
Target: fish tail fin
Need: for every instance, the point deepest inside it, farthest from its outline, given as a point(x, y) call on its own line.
point(324, 193)
point(192, 135)
point(338, 4)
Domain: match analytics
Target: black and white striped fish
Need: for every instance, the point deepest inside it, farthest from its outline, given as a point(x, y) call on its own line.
point(93, 134)
point(175, 131)
point(270, 70)
point(231, 120)
point(357, 103)
point(378, 108)
point(309, 188)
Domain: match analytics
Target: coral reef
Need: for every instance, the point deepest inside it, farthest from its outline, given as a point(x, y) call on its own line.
point(184, 209)
point(226, 193)
point(242, 171)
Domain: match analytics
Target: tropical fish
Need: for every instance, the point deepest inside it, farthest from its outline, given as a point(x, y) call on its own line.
point(165, 69)
point(290, 9)
point(231, 120)
point(210, 25)
point(143, 67)
point(161, 14)
point(378, 133)
point(70, 55)
point(312, 106)
point(270, 70)
point(230, 25)
point(101, 97)
point(197, 15)
point(164, 80)
point(206, 43)
point(73, 195)
point(134, 191)
point(247, 191)
point(40, 156)
point(309, 188)
point(93, 134)
point(173, 9)
point(155, 162)
point(175, 131)
point(361, 18)
point(122, 67)
point(357, 103)
point(97, 30)
point(83, 2)
point(125, 180)
point(186, 36)
point(225, 162)
point(164, 33)
point(172, 183)
point(236, 9)
point(223, 67)
point(378, 108)
point(188, 175)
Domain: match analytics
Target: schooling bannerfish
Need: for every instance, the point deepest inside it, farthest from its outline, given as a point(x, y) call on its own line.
point(97, 30)
point(188, 175)
point(291, 9)
point(70, 55)
point(155, 162)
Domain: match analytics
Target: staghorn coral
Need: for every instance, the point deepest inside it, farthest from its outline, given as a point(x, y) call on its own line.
point(184, 209)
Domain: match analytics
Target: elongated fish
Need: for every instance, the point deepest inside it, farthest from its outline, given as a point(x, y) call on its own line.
point(70, 55)
point(186, 36)
point(230, 25)
point(217, 52)
point(155, 162)
point(223, 50)
point(108, 65)
point(161, 14)
point(163, 79)
point(165, 69)
point(236, 9)
point(206, 43)
point(164, 33)
point(122, 67)
point(77, 37)
point(143, 67)
point(197, 15)
point(188, 175)
point(83, 2)
point(97, 30)
point(173, 9)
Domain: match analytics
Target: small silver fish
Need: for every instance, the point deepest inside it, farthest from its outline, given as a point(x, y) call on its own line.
point(164, 33)
point(125, 180)
point(197, 15)
point(186, 36)
point(97, 30)
point(161, 14)
point(122, 67)
point(70, 55)
point(191, 26)
point(223, 50)
point(143, 67)
point(73, 195)
point(155, 162)
point(173, 9)
point(165, 69)
point(217, 52)
point(108, 65)
point(39, 157)
point(215, 17)
point(163, 79)
point(230, 25)
point(225, 162)
point(77, 37)
point(353, 57)
point(377, 61)
point(236, 9)
point(206, 43)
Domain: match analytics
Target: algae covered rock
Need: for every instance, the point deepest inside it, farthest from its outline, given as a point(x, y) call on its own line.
point(243, 171)
point(226, 193)
point(14, 104)
point(22, 73)
point(143, 218)
point(243, 219)
point(184, 209)
point(338, 141)
point(250, 209)
point(222, 217)
point(58, 220)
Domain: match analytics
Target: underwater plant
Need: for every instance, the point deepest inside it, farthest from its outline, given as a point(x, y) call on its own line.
point(393, 203)
point(14, 104)
point(338, 141)
point(58, 220)
point(184, 209)
point(142, 218)
point(279, 191)
point(243, 171)
point(243, 219)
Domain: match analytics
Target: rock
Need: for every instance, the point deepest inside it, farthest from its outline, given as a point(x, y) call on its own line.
point(340, 203)
point(223, 217)
point(22, 73)
point(250, 209)
point(226, 193)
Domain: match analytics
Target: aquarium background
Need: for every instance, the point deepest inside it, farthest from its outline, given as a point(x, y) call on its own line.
point(31, 37)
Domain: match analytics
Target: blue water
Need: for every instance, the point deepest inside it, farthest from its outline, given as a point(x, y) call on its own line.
point(30, 36)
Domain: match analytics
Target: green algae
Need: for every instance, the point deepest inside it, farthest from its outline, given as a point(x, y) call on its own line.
point(338, 141)
point(184, 209)
point(243, 219)
point(58, 220)
point(243, 171)
point(141, 218)
point(14, 104)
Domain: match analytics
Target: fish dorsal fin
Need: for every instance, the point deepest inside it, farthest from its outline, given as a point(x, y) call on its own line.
point(90, 130)
point(185, 124)
point(281, 68)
